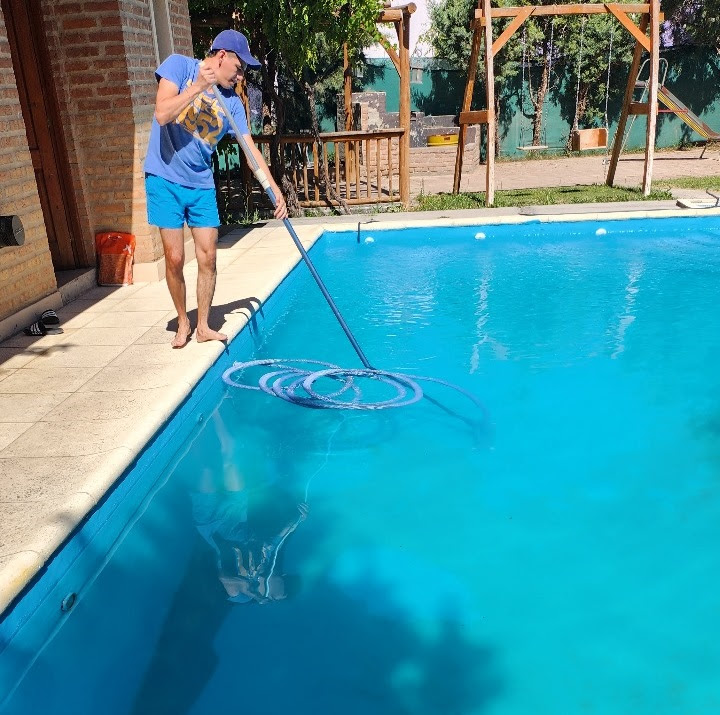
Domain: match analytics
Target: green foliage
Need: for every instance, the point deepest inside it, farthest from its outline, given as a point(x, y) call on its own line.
point(599, 193)
point(585, 48)
point(451, 38)
point(300, 40)
point(290, 30)
point(208, 17)
point(544, 41)
point(691, 182)
point(449, 33)
point(696, 21)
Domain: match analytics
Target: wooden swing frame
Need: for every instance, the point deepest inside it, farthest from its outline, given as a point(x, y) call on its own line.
point(400, 17)
point(482, 35)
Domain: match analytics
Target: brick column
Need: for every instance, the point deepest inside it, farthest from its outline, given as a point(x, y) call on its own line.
point(104, 60)
point(26, 272)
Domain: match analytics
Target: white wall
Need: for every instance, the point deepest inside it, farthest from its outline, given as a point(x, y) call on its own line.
point(419, 23)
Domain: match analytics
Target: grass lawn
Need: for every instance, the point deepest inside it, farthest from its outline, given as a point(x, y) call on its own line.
point(597, 193)
point(691, 182)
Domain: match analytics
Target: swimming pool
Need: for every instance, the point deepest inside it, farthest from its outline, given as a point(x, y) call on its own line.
point(555, 554)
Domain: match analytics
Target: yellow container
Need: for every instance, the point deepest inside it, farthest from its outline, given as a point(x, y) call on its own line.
point(442, 140)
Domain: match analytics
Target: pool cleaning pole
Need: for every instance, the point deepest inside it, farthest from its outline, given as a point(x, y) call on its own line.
point(265, 183)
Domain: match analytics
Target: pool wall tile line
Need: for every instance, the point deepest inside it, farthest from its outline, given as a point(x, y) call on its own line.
point(17, 570)
point(57, 392)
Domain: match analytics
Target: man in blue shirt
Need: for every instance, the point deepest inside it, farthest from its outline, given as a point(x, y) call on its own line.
point(186, 128)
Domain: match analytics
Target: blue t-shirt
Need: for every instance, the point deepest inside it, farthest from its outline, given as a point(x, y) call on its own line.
point(180, 151)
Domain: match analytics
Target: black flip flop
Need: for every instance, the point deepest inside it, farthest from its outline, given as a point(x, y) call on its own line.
point(49, 317)
point(38, 329)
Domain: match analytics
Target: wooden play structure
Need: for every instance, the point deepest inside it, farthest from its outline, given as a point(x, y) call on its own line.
point(675, 105)
point(361, 167)
point(647, 37)
point(399, 16)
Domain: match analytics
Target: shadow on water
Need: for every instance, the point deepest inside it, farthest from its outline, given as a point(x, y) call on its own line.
point(320, 643)
point(156, 631)
point(325, 651)
point(146, 640)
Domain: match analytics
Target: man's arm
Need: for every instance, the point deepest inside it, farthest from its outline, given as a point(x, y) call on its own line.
point(169, 104)
point(281, 208)
point(291, 526)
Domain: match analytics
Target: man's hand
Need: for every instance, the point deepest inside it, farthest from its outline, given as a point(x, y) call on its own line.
point(281, 211)
point(206, 76)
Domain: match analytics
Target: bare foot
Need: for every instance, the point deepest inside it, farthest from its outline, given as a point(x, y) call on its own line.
point(182, 336)
point(203, 335)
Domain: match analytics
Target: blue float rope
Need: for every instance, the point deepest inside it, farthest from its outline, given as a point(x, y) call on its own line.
point(263, 179)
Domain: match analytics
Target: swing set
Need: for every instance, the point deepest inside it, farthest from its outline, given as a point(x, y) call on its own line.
point(581, 139)
point(647, 37)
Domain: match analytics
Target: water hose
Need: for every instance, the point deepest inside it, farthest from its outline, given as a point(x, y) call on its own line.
point(288, 381)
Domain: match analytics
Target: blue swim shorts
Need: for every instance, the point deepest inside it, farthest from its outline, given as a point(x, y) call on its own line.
point(169, 205)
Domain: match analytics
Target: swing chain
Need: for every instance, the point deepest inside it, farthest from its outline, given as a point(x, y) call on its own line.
point(607, 83)
point(551, 49)
point(579, 67)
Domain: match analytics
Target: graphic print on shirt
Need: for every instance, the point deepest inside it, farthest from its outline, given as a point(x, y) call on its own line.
point(202, 119)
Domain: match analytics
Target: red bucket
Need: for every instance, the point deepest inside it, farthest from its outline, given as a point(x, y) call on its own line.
point(115, 252)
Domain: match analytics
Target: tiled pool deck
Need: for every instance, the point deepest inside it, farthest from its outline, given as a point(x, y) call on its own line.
point(78, 407)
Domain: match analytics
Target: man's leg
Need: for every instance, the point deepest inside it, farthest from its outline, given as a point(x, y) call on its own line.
point(206, 252)
point(174, 246)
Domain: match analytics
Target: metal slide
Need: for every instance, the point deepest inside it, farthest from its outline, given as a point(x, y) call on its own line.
point(676, 106)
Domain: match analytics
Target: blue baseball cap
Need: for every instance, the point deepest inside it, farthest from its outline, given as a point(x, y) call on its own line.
point(234, 41)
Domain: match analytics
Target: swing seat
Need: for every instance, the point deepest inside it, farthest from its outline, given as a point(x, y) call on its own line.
point(589, 139)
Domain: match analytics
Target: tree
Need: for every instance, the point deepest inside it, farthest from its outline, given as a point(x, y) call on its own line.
point(696, 21)
point(296, 42)
point(539, 49)
point(450, 36)
point(530, 53)
point(589, 48)
point(449, 33)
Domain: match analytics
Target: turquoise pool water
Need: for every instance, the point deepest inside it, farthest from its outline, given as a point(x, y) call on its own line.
point(558, 554)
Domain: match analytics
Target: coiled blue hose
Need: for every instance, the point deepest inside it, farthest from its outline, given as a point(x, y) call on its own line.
point(297, 385)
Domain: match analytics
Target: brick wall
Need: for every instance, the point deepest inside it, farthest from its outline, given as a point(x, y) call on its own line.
point(103, 55)
point(371, 114)
point(102, 65)
point(104, 59)
point(26, 272)
point(441, 159)
point(180, 22)
point(425, 159)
